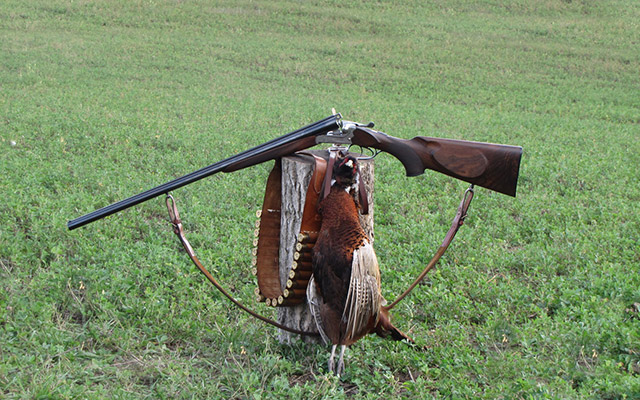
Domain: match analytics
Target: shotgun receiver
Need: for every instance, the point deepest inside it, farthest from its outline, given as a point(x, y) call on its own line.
point(492, 166)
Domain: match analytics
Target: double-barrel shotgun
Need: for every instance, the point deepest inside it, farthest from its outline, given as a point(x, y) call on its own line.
point(493, 166)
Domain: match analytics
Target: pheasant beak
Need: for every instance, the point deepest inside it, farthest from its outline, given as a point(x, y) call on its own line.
point(349, 163)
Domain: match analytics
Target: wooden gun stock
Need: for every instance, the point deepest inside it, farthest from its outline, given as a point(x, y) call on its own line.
point(493, 166)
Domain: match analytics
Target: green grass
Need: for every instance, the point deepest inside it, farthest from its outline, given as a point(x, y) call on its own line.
point(538, 297)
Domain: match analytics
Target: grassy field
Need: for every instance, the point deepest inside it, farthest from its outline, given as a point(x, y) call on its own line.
point(538, 297)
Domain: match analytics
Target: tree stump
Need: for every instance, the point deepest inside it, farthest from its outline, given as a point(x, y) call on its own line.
point(296, 175)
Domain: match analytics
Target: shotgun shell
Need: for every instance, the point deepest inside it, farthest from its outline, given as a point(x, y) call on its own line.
point(295, 292)
point(300, 274)
point(297, 283)
point(304, 246)
point(301, 265)
point(304, 256)
point(307, 236)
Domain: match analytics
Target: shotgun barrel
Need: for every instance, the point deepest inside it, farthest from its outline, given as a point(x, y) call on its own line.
point(292, 141)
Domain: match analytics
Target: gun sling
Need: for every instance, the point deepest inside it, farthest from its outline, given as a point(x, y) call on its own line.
point(266, 260)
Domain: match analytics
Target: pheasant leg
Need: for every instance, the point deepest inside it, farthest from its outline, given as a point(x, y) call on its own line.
point(340, 369)
point(331, 359)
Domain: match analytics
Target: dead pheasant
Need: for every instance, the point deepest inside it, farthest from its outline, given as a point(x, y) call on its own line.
point(344, 292)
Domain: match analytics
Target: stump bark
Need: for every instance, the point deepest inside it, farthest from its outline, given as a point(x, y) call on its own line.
point(296, 175)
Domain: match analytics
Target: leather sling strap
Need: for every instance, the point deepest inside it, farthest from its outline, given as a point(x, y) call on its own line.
point(179, 231)
point(328, 176)
point(362, 196)
point(311, 221)
point(458, 220)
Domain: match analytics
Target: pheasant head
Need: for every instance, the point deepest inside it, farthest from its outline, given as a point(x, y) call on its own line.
point(345, 171)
